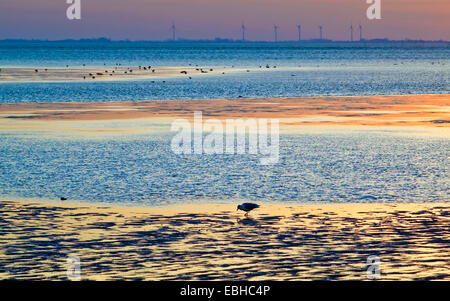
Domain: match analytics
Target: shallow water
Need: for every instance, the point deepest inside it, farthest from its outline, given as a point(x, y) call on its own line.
point(142, 170)
point(353, 167)
point(59, 54)
point(313, 70)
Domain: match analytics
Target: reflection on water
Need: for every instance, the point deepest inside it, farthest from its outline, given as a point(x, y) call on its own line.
point(248, 221)
point(142, 170)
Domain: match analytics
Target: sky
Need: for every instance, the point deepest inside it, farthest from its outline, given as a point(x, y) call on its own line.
point(209, 19)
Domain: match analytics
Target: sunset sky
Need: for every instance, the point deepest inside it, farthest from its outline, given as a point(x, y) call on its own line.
point(207, 19)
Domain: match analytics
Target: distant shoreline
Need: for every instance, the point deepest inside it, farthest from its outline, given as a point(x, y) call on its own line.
point(311, 42)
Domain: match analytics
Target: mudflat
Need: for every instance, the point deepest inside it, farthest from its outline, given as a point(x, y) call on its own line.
point(214, 242)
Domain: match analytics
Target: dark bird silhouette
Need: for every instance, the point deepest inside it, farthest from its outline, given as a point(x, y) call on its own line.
point(247, 207)
point(63, 199)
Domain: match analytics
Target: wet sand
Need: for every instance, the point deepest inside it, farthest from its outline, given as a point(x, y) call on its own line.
point(106, 73)
point(214, 242)
point(420, 111)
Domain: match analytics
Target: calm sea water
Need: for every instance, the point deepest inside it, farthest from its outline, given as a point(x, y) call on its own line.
point(301, 70)
point(142, 170)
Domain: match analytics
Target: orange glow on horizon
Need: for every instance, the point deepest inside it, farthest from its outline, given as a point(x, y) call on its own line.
point(207, 19)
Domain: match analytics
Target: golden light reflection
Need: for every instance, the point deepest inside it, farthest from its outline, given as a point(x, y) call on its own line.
point(212, 242)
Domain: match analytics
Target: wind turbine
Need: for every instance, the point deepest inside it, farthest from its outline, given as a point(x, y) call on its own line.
point(299, 28)
point(243, 28)
point(173, 31)
point(320, 28)
point(360, 32)
point(275, 32)
point(351, 33)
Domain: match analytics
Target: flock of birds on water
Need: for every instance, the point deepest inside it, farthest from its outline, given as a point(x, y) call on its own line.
point(129, 70)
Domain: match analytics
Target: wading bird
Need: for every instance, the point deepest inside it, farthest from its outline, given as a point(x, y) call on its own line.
point(247, 207)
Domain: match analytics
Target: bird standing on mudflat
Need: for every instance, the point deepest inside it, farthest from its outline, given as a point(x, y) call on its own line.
point(247, 207)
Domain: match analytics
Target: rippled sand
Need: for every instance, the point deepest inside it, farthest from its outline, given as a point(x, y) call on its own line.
point(214, 242)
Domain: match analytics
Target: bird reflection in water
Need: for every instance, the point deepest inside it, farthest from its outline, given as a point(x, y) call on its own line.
point(247, 221)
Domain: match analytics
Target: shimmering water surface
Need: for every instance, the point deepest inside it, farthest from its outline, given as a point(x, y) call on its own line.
point(142, 170)
point(351, 167)
point(302, 70)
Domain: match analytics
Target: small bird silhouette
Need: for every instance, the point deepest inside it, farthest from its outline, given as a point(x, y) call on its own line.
point(247, 207)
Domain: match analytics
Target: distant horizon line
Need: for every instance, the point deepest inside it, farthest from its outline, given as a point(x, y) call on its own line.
point(225, 40)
